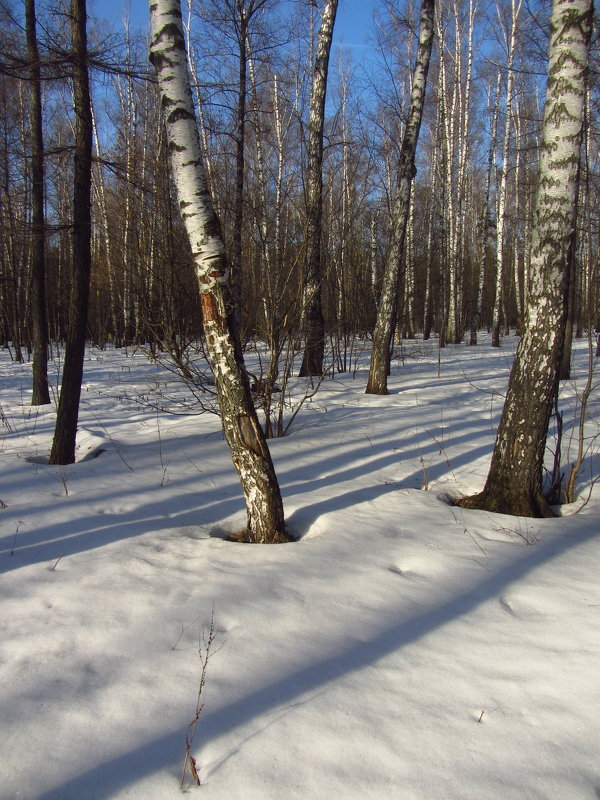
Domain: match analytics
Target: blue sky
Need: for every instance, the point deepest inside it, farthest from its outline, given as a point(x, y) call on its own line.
point(352, 27)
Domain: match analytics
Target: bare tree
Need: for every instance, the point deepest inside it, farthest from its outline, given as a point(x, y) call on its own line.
point(511, 43)
point(312, 361)
point(514, 483)
point(40, 395)
point(377, 383)
point(242, 430)
point(63, 444)
point(485, 223)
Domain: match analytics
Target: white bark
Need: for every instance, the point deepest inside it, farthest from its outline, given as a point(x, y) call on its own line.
point(312, 362)
point(377, 383)
point(486, 222)
point(514, 483)
point(240, 424)
point(511, 39)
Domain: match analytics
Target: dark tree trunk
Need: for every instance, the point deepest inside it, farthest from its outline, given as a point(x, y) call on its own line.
point(41, 395)
point(63, 446)
point(565, 362)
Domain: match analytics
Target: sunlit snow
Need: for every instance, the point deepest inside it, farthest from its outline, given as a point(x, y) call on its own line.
point(401, 648)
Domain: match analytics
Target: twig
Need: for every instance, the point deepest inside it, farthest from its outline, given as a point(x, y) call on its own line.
point(12, 549)
point(205, 646)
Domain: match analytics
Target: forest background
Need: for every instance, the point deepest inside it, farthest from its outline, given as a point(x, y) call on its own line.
point(468, 238)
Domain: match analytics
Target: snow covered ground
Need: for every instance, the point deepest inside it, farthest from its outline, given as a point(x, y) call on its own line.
point(401, 648)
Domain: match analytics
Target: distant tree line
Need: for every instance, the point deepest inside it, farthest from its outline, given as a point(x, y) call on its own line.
point(467, 255)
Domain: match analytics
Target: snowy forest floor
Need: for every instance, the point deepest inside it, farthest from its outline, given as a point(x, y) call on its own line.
point(401, 648)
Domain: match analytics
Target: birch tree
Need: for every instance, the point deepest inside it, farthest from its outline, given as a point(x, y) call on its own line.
point(511, 42)
point(241, 428)
point(314, 327)
point(486, 222)
point(514, 483)
point(377, 383)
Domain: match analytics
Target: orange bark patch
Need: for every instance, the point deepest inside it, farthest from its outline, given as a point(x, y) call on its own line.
point(210, 312)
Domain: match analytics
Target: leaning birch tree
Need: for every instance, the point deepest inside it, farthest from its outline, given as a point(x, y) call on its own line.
point(382, 337)
point(514, 483)
point(241, 428)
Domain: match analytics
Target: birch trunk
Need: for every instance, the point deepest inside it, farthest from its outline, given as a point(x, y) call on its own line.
point(314, 327)
point(503, 182)
point(514, 483)
point(431, 262)
point(106, 230)
point(485, 232)
point(382, 337)
point(241, 428)
point(449, 85)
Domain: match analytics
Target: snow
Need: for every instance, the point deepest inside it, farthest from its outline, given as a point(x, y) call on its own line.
point(401, 648)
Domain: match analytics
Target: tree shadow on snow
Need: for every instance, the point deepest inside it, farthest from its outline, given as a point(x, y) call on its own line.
point(104, 780)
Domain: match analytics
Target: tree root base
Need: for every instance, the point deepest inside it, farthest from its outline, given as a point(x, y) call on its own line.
point(512, 505)
point(245, 537)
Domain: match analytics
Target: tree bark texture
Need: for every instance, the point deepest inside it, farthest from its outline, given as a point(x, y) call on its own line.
point(314, 326)
point(384, 326)
point(242, 430)
point(40, 395)
point(514, 483)
point(63, 445)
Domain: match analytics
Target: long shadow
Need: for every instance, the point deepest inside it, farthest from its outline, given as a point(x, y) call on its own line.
point(193, 509)
point(102, 781)
point(67, 539)
point(304, 478)
point(306, 515)
point(209, 506)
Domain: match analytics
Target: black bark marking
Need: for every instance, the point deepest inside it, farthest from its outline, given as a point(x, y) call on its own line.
point(178, 114)
point(249, 435)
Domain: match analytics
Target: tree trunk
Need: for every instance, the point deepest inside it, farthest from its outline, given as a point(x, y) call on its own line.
point(382, 338)
point(63, 445)
point(314, 326)
point(572, 276)
point(511, 41)
point(485, 225)
point(240, 145)
point(514, 483)
point(242, 431)
point(41, 395)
